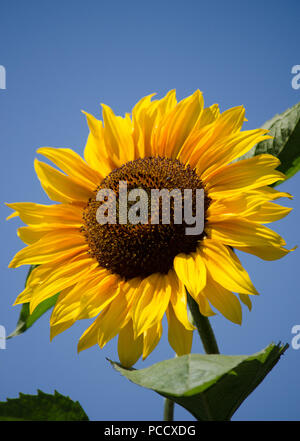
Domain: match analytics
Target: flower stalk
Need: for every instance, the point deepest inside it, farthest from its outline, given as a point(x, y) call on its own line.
point(209, 342)
point(169, 410)
point(204, 328)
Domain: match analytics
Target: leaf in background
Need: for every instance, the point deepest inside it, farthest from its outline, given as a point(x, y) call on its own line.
point(26, 319)
point(285, 129)
point(41, 407)
point(211, 387)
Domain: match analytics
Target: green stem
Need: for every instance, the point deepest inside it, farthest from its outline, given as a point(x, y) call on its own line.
point(204, 328)
point(209, 342)
point(169, 410)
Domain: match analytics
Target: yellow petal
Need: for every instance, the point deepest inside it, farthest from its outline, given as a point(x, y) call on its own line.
point(208, 116)
point(90, 336)
point(266, 252)
point(87, 298)
point(117, 314)
point(151, 301)
point(40, 274)
point(252, 205)
point(246, 300)
point(239, 232)
point(61, 327)
point(246, 174)
point(36, 214)
point(179, 303)
point(225, 268)
point(129, 348)
point(167, 104)
point(67, 306)
point(179, 337)
point(73, 165)
point(195, 145)
point(29, 235)
point(138, 118)
point(55, 327)
point(51, 246)
point(32, 234)
point(226, 124)
point(117, 134)
point(108, 323)
point(270, 193)
point(178, 125)
point(269, 212)
point(204, 306)
point(151, 117)
point(227, 150)
point(59, 187)
point(60, 279)
point(151, 339)
point(225, 209)
point(95, 152)
point(230, 121)
point(223, 300)
point(100, 293)
point(191, 270)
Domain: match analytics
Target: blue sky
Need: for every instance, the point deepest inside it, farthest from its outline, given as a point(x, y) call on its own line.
point(64, 56)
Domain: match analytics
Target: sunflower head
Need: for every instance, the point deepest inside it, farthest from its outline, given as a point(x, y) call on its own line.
point(139, 250)
point(128, 275)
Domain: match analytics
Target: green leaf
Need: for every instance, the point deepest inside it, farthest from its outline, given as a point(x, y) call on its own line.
point(26, 320)
point(211, 387)
point(285, 129)
point(41, 407)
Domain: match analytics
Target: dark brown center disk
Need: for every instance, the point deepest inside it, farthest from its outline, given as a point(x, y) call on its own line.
point(143, 249)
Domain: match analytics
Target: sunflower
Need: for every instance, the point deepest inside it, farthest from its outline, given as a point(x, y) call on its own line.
point(127, 277)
